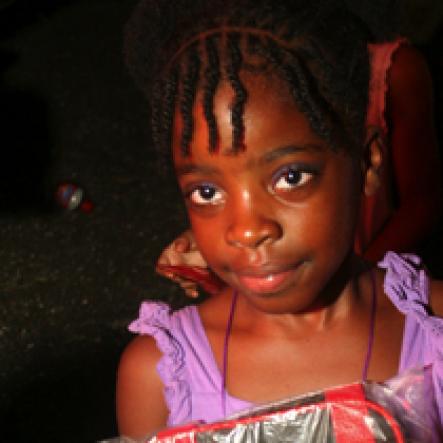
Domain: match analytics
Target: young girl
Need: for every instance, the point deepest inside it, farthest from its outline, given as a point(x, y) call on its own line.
point(400, 108)
point(262, 105)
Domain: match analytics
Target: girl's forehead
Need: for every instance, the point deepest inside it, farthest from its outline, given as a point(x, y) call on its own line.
point(262, 91)
point(271, 119)
point(269, 86)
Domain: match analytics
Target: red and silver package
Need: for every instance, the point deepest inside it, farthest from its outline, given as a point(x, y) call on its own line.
point(397, 412)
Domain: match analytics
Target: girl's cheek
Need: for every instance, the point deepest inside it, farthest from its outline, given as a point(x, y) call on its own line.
point(209, 236)
point(293, 199)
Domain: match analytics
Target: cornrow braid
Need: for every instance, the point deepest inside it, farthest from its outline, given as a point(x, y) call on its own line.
point(232, 73)
point(212, 76)
point(189, 87)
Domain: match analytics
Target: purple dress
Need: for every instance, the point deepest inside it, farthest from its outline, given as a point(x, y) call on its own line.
point(193, 381)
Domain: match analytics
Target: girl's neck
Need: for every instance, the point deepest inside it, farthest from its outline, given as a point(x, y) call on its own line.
point(345, 294)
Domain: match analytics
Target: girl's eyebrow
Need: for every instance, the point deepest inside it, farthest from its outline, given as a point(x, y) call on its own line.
point(287, 150)
point(192, 168)
point(268, 157)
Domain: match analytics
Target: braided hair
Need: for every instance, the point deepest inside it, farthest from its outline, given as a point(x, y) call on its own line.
point(319, 48)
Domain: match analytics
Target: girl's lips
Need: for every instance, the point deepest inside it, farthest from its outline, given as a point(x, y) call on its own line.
point(265, 283)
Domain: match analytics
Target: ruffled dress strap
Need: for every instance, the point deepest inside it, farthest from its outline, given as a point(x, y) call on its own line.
point(155, 319)
point(407, 284)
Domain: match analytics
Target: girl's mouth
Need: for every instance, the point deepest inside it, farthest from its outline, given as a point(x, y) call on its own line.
point(265, 283)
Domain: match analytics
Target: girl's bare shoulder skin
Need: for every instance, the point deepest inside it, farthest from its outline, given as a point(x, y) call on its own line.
point(141, 408)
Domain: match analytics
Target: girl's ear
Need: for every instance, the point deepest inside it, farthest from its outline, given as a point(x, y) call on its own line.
point(372, 161)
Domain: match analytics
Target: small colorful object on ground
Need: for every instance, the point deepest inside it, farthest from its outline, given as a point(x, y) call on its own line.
point(70, 197)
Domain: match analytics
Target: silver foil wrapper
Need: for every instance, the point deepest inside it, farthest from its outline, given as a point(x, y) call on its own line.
point(398, 411)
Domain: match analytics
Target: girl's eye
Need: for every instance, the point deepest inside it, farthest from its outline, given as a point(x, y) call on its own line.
point(292, 178)
point(205, 195)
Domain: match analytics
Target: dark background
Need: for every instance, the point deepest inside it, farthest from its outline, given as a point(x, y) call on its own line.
point(69, 281)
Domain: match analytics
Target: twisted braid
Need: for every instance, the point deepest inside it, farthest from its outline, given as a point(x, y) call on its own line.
point(319, 49)
point(301, 85)
point(212, 76)
point(169, 97)
point(189, 89)
point(238, 106)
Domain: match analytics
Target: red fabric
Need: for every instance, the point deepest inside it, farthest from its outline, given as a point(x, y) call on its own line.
point(376, 210)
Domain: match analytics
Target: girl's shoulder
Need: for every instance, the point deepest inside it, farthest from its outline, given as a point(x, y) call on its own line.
point(139, 361)
point(144, 352)
point(152, 376)
point(172, 334)
point(157, 319)
point(139, 388)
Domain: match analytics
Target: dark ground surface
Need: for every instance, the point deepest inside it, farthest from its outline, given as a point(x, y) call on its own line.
point(69, 281)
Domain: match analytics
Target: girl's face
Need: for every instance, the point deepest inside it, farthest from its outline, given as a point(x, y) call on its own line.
point(275, 221)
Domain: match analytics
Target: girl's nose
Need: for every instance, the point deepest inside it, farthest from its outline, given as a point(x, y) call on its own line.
point(253, 231)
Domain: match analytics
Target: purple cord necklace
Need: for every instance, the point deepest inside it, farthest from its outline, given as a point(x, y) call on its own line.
point(229, 329)
point(225, 351)
point(364, 375)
